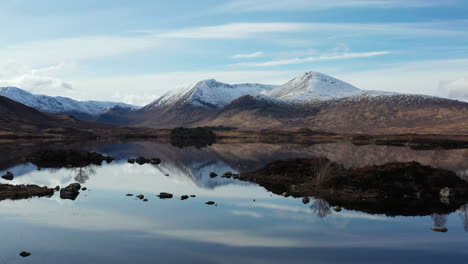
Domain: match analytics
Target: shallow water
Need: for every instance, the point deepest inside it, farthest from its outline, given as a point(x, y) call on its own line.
point(104, 226)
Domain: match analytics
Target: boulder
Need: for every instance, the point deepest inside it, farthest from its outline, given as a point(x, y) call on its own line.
point(71, 191)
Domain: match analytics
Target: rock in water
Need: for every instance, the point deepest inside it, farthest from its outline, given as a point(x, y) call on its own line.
point(8, 176)
point(184, 197)
point(165, 195)
point(305, 200)
point(337, 208)
point(440, 229)
point(213, 175)
point(210, 203)
point(140, 196)
point(71, 191)
point(25, 254)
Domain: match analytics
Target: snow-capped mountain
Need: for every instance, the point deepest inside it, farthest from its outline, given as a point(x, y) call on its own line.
point(312, 100)
point(312, 86)
point(208, 94)
point(63, 105)
point(212, 94)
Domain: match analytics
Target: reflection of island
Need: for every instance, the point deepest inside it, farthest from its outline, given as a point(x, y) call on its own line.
point(219, 158)
point(197, 163)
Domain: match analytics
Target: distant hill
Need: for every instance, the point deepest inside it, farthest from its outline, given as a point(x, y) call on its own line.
point(84, 110)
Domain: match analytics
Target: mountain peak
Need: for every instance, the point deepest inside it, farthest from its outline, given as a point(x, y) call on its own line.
point(313, 86)
point(209, 93)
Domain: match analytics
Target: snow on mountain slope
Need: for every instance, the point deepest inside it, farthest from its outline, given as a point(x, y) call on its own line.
point(312, 86)
point(59, 104)
point(209, 94)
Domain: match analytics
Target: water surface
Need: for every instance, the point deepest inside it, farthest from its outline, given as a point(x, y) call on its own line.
point(248, 224)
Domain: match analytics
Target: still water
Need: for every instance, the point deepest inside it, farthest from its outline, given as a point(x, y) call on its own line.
point(248, 224)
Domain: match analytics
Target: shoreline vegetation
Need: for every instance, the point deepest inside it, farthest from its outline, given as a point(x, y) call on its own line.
point(204, 136)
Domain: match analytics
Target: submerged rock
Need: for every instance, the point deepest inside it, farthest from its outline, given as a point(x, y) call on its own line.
point(210, 203)
point(165, 195)
point(84, 189)
point(193, 195)
point(145, 200)
point(129, 194)
point(8, 176)
point(439, 229)
point(70, 192)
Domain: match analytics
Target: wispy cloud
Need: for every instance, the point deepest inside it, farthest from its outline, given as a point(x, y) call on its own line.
point(248, 56)
point(349, 55)
point(234, 30)
point(75, 49)
point(267, 5)
point(248, 30)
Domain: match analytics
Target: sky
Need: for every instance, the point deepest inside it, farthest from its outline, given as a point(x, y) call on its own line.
point(135, 51)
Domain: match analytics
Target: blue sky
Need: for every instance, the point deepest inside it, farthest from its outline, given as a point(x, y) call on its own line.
point(134, 51)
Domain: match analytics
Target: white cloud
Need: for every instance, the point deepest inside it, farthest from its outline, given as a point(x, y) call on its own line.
point(39, 80)
point(457, 88)
point(234, 30)
point(255, 30)
point(349, 55)
point(56, 51)
point(418, 77)
point(267, 5)
point(249, 55)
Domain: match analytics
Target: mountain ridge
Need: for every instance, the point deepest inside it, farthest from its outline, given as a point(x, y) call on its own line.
point(84, 110)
